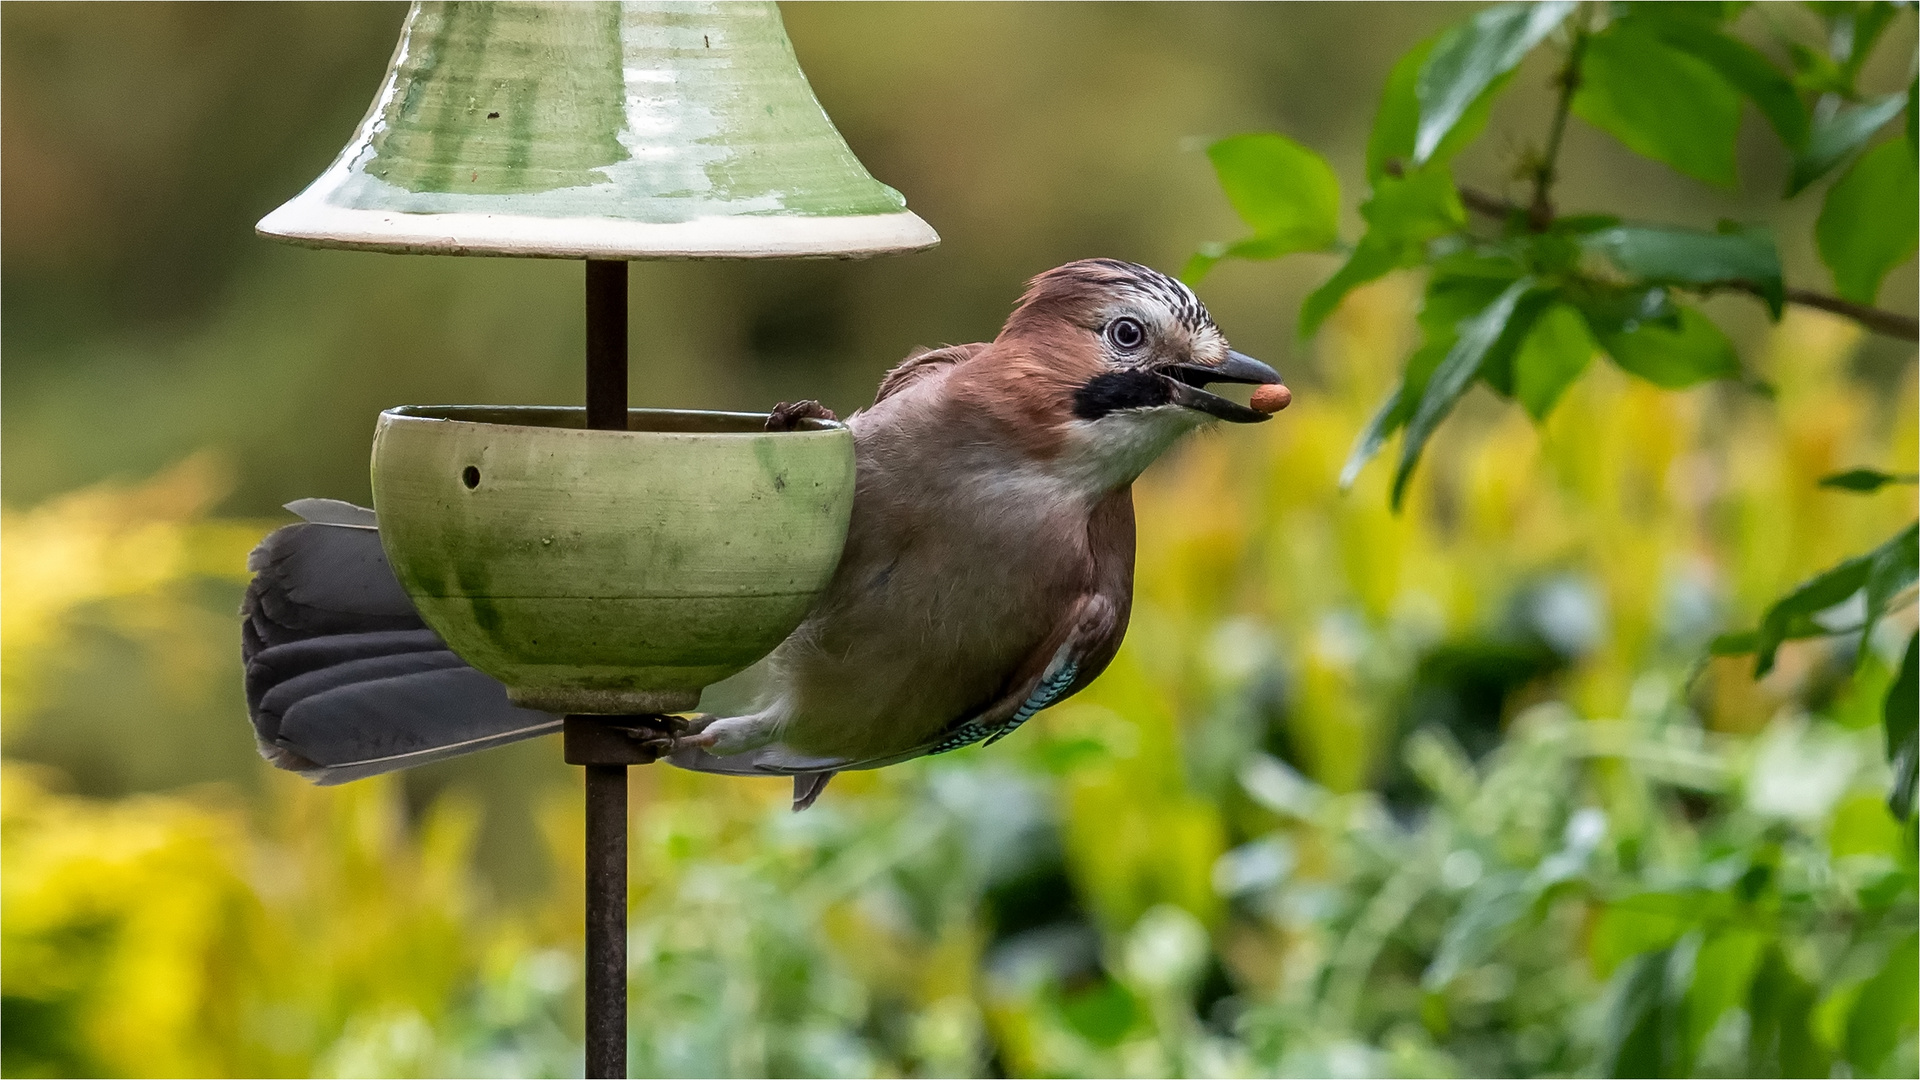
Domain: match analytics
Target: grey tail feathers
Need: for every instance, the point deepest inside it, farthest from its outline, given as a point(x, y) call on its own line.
point(810, 774)
point(807, 787)
point(343, 679)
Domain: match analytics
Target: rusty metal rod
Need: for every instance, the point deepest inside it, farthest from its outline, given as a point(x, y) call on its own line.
point(606, 839)
point(606, 920)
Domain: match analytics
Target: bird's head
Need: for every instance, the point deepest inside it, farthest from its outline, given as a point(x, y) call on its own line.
point(1118, 356)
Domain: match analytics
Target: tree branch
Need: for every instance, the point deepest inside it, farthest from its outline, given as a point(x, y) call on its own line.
point(1482, 202)
point(1875, 319)
point(1540, 213)
point(1892, 324)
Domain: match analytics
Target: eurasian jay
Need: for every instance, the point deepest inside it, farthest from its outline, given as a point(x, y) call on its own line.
point(987, 574)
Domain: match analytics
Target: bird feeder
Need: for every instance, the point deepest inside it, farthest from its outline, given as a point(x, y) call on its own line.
point(604, 563)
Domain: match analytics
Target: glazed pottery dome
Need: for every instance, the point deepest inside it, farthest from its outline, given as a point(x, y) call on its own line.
point(599, 130)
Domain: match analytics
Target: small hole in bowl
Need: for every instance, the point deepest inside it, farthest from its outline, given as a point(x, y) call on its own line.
point(470, 476)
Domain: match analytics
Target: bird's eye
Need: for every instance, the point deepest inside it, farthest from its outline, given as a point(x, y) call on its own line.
point(1126, 333)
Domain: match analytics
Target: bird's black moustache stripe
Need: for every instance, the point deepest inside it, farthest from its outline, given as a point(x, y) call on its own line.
point(1128, 388)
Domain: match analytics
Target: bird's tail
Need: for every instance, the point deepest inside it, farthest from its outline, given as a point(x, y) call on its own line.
point(343, 679)
point(810, 774)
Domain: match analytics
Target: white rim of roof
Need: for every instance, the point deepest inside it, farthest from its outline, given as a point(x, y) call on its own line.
point(742, 236)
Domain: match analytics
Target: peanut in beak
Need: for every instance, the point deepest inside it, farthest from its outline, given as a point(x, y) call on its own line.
point(1270, 398)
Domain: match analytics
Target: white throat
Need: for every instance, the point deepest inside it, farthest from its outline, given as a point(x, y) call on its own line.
point(1111, 452)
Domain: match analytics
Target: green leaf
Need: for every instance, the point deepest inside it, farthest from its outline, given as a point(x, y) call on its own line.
point(1467, 59)
point(1852, 30)
point(1639, 1037)
point(1884, 1013)
point(1815, 72)
point(1901, 717)
point(1871, 220)
point(1462, 286)
point(1611, 309)
point(1723, 972)
point(1866, 480)
point(1644, 922)
point(1661, 102)
point(1691, 257)
point(1102, 1013)
point(1394, 125)
point(1836, 134)
point(1893, 567)
point(1390, 417)
point(1394, 411)
point(1884, 572)
point(1284, 191)
point(1740, 64)
point(1403, 214)
point(1497, 371)
point(1411, 210)
point(1791, 616)
point(1478, 337)
point(1202, 262)
point(1372, 258)
point(1552, 252)
point(1496, 903)
point(1550, 358)
point(1780, 1039)
point(1695, 352)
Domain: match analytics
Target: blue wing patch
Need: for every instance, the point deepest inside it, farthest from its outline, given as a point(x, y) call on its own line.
point(1052, 688)
point(965, 735)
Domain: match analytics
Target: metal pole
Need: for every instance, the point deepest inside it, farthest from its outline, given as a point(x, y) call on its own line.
point(606, 345)
point(606, 920)
point(606, 960)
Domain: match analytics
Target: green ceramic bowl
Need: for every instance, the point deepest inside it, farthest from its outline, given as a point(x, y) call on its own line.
point(609, 571)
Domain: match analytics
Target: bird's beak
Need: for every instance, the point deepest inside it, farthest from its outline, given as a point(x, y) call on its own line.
point(1237, 367)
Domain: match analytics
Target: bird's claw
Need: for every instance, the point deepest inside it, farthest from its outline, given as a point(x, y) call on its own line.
point(660, 736)
point(788, 415)
point(667, 745)
point(655, 747)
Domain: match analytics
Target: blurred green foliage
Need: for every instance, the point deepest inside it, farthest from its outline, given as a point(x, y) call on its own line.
point(1519, 302)
point(1453, 791)
point(1447, 792)
point(1523, 307)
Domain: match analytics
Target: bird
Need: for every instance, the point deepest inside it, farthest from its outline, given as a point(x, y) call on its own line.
point(987, 572)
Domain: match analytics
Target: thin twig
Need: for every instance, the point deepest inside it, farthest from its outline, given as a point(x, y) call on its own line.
point(1540, 213)
point(1889, 323)
point(1880, 321)
point(1492, 206)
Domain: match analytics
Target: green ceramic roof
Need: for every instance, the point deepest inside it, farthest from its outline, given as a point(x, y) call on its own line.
point(495, 117)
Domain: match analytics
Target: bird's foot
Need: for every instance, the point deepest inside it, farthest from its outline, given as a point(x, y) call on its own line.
point(702, 740)
point(727, 735)
point(788, 415)
point(662, 735)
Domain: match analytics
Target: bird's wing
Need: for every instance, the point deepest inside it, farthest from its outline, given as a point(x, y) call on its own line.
point(1076, 653)
point(1083, 642)
point(1093, 633)
point(921, 364)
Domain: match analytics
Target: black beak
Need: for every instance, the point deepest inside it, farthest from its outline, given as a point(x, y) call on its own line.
point(1237, 367)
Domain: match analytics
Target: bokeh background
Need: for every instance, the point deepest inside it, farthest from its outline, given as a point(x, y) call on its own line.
point(1331, 732)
